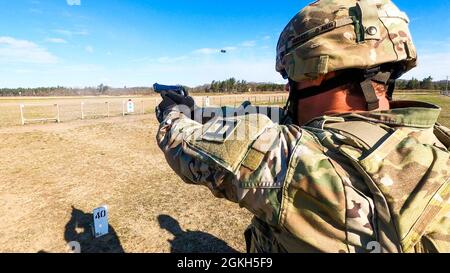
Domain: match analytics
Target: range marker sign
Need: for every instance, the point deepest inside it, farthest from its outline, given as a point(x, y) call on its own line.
point(100, 221)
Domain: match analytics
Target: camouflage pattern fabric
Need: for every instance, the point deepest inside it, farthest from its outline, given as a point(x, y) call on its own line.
point(317, 189)
point(332, 35)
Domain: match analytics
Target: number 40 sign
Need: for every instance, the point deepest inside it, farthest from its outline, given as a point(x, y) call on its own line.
point(100, 221)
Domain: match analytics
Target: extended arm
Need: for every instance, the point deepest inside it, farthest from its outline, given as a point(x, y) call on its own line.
point(243, 159)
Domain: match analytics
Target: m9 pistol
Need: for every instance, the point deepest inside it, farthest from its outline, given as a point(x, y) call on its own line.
point(164, 89)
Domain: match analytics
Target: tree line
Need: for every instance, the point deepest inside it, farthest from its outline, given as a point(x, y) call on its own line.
point(230, 85)
point(425, 84)
point(101, 90)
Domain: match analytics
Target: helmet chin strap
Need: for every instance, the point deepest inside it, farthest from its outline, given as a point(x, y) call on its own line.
point(369, 76)
point(291, 106)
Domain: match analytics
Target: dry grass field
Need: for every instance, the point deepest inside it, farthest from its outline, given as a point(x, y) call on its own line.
point(53, 175)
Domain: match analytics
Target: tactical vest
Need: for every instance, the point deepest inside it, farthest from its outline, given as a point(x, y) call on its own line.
point(405, 168)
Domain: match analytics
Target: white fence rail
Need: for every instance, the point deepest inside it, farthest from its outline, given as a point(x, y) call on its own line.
point(97, 108)
point(39, 116)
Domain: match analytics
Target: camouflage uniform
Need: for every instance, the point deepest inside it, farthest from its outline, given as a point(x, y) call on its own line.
point(322, 188)
point(376, 180)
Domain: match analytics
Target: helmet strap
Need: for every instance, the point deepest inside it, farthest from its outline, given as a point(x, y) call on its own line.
point(369, 76)
point(291, 106)
point(372, 100)
point(391, 88)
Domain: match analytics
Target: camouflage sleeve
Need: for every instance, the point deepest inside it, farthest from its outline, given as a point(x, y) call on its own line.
point(243, 159)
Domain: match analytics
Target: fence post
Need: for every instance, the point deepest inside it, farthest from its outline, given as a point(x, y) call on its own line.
point(57, 110)
point(82, 110)
point(123, 108)
point(143, 108)
point(21, 114)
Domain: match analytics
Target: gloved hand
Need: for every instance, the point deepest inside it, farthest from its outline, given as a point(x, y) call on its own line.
point(171, 100)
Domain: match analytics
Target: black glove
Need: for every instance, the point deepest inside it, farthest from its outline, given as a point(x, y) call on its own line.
point(171, 100)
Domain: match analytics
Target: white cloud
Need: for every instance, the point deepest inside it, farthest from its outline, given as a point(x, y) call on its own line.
point(230, 48)
point(248, 44)
point(89, 49)
point(267, 37)
point(206, 51)
point(22, 51)
point(73, 2)
point(56, 41)
point(70, 33)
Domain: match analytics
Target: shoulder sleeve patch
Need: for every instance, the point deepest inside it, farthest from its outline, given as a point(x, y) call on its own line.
point(220, 130)
point(253, 159)
point(226, 141)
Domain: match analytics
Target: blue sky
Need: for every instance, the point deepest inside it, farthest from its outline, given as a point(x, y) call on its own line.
point(138, 42)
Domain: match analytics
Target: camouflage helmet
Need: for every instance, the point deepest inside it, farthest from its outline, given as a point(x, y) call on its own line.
point(334, 35)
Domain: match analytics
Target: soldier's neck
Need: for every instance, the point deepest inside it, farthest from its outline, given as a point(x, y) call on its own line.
point(337, 101)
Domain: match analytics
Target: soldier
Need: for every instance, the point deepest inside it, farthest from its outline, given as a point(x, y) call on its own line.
point(351, 170)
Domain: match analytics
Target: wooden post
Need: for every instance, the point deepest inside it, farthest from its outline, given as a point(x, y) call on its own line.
point(123, 108)
point(82, 111)
point(58, 120)
point(143, 108)
point(21, 114)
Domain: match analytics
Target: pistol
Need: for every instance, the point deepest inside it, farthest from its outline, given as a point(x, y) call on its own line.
point(163, 89)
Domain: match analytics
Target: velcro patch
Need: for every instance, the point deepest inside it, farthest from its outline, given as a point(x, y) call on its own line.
point(220, 130)
point(253, 159)
point(227, 141)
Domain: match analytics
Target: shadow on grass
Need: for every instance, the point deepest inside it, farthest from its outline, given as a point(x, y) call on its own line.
point(192, 241)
